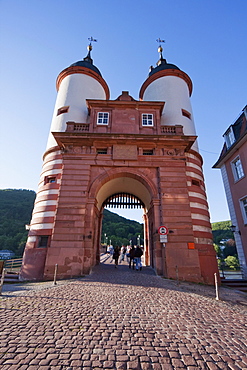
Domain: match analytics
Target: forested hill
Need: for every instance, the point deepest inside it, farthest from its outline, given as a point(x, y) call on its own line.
point(120, 230)
point(222, 231)
point(16, 210)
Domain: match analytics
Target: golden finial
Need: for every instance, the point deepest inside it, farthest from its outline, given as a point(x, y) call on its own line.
point(91, 39)
point(160, 49)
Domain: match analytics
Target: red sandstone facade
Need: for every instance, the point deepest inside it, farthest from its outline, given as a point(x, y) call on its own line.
point(92, 161)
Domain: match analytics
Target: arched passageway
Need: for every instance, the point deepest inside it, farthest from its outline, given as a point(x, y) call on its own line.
point(127, 190)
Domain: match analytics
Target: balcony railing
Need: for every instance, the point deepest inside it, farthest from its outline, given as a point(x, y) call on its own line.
point(172, 130)
point(84, 127)
point(77, 127)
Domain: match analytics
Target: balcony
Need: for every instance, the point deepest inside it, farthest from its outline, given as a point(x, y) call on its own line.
point(77, 127)
point(164, 130)
point(172, 130)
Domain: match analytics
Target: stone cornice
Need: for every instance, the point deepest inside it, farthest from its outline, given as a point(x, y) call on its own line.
point(65, 139)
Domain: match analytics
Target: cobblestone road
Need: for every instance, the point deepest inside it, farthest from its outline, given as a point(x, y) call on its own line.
point(122, 319)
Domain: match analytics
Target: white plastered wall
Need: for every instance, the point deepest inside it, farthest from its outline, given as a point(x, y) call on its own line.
point(73, 92)
point(174, 92)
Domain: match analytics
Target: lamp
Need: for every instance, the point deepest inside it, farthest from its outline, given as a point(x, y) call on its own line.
point(233, 229)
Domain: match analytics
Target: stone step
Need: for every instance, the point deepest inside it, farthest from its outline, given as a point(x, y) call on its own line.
point(240, 284)
point(11, 278)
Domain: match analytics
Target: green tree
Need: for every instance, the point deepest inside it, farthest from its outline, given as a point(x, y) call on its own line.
point(221, 231)
point(119, 229)
point(15, 212)
point(218, 251)
point(232, 262)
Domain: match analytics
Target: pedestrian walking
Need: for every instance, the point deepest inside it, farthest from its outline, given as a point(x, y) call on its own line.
point(137, 255)
point(123, 252)
point(131, 256)
point(116, 255)
point(111, 250)
point(128, 253)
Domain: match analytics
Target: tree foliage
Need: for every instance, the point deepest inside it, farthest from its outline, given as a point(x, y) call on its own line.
point(224, 245)
point(120, 230)
point(221, 231)
point(15, 212)
point(232, 262)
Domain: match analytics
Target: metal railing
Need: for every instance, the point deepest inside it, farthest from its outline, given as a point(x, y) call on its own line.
point(13, 265)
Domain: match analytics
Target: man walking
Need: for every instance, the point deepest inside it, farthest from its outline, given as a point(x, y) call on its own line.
point(137, 256)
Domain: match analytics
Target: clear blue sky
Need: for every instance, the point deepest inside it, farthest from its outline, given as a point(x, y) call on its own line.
point(39, 38)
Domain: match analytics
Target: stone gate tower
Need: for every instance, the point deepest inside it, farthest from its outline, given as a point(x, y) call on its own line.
point(99, 148)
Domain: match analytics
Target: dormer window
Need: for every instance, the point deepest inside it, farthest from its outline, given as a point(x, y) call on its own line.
point(229, 137)
point(147, 120)
point(103, 118)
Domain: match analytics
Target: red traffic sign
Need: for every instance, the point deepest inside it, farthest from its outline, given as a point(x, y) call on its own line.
point(163, 230)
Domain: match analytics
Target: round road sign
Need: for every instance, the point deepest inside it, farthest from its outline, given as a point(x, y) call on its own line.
point(163, 230)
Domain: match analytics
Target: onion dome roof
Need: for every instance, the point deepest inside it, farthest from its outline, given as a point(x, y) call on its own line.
point(161, 64)
point(87, 62)
point(163, 69)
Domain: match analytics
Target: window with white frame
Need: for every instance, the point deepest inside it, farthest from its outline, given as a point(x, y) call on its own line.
point(103, 118)
point(229, 137)
point(237, 169)
point(147, 120)
point(243, 205)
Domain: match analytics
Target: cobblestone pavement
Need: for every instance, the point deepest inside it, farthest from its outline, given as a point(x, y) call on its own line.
point(122, 319)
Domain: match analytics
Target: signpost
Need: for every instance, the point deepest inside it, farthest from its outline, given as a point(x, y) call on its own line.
point(163, 231)
point(163, 238)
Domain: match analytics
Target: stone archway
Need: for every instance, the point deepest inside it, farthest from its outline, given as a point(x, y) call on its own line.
point(126, 181)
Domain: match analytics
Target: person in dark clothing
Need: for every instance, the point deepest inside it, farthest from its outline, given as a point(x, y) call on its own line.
point(137, 255)
point(116, 255)
point(131, 256)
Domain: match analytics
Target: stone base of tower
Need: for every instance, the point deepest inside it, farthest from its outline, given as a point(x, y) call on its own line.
point(72, 262)
point(178, 269)
point(33, 264)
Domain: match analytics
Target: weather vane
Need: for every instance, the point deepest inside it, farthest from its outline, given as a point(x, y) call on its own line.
point(160, 41)
point(160, 49)
point(91, 39)
point(89, 48)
